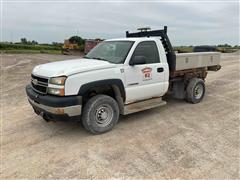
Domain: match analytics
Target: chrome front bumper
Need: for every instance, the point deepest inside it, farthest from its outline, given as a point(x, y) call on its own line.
point(70, 110)
point(54, 107)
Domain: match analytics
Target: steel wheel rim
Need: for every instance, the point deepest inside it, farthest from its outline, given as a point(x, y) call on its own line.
point(104, 115)
point(198, 91)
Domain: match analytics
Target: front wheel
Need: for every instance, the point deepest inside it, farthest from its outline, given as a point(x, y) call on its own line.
point(100, 114)
point(195, 90)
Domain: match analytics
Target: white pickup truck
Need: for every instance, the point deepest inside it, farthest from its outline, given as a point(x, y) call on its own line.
point(119, 76)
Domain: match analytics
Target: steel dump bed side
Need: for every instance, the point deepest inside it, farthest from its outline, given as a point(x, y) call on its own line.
point(197, 60)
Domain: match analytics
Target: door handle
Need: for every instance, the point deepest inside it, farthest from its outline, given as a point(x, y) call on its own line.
point(159, 70)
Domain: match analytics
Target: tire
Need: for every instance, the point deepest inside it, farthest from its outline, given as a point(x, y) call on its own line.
point(195, 90)
point(100, 114)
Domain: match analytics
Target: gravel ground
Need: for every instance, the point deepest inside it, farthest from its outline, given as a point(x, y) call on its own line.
point(179, 140)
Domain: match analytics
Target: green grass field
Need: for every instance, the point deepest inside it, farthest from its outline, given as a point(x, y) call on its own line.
point(29, 49)
point(25, 51)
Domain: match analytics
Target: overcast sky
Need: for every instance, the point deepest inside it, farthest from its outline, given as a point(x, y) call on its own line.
point(189, 23)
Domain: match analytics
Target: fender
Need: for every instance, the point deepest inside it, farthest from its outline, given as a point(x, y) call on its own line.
point(85, 87)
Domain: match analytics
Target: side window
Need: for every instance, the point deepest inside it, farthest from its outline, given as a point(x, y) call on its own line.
point(149, 50)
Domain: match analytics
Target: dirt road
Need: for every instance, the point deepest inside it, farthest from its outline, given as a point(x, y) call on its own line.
point(179, 140)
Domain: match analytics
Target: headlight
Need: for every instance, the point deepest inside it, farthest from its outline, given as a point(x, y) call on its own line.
point(56, 91)
point(58, 80)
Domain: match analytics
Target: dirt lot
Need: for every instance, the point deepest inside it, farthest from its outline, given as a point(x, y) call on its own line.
point(179, 140)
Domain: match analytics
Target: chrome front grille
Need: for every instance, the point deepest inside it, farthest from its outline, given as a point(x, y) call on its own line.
point(39, 84)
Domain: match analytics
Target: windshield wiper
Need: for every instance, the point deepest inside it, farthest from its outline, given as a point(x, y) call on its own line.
point(98, 58)
point(86, 57)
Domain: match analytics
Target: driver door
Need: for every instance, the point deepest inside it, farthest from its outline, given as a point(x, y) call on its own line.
point(144, 81)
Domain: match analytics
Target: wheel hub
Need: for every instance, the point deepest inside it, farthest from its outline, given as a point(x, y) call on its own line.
point(104, 115)
point(198, 91)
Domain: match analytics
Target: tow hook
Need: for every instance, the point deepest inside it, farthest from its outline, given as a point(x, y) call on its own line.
point(44, 116)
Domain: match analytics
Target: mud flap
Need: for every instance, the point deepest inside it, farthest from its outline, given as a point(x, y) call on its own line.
point(178, 90)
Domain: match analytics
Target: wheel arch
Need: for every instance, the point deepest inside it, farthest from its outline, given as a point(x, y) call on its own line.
point(116, 86)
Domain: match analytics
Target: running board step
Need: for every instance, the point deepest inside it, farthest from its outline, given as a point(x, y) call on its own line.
point(143, 105)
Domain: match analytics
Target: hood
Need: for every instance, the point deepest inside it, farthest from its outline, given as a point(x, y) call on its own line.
point(69, 67)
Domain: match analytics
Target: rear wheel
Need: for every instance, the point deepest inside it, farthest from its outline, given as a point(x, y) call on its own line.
point(100, 114)
point(195, 90)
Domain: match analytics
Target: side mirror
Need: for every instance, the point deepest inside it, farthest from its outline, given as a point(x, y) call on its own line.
point(137, 60)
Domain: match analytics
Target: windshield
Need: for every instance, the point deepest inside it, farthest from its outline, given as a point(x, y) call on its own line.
point(111, 51)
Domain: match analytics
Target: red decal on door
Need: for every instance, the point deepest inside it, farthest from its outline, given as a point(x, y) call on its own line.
point(147, 73)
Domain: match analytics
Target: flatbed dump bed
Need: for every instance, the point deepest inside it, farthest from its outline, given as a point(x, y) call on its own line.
point(195, 63)
point(197, 60)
